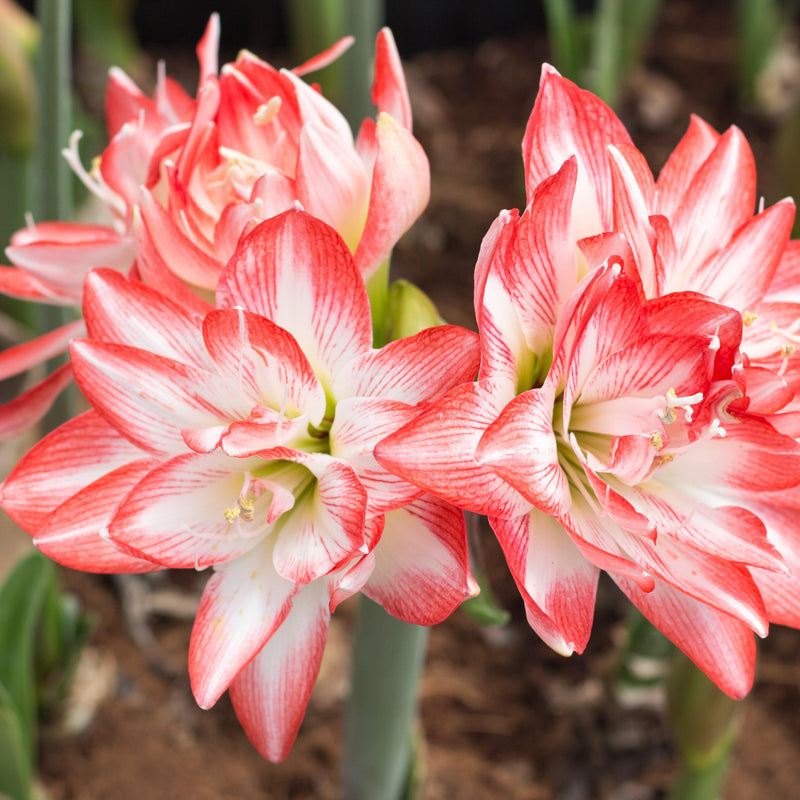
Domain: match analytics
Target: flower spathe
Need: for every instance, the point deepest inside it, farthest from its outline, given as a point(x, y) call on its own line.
point(618, 422)
point(242, 440)
point(184, 178)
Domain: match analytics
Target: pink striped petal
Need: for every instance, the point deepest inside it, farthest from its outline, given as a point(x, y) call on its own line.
point(182, 256)
point(332, 182)
point(296, 271)
point(557, 583)
point(326, 57)
point(421, 573)
point(72, 534)
point(758, 245)
point(400, 189)
point(632, 203)
point(719, 200)
point(27, 409)
point(720, 645)
point(568, 121)
point(22, 357)
point(781, 590)
point(208, 48)
point(520, 447)
point(436, 451)
point(60, 254)
point(149, 398)
point(685, 160)
point(540, 269)
point(155, 272)
point(326, 525)
point(360, 423)
point(265, 362)
point(128, 312)
point(243, 604)
point(175, 516)
point(74, 455)
point(271, 693)
point(18, 283)
point(389, 91)
point(413, 369)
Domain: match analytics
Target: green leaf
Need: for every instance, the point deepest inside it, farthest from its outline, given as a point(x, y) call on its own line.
point(15, 763)
point(22, 598)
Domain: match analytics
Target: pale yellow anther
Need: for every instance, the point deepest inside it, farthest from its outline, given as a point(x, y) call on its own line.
point(266, 112)
point(247, 506)
point(748, 318)
point(788, 350)
point(657, 440)
point(231, 514)
point(660, 461)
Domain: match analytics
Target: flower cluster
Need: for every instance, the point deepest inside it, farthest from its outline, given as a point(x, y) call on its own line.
point(622, 421)
point(634, 411)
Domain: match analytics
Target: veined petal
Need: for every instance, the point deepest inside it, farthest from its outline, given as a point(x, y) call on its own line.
point(400, 189)
point(757, 246)
point(693, 149)
point(557, 583)
point(19, 283)
point(244, 603)
point(296, 271)
point(389, 91)
point(73, 456)
point(719, 200)
point(436, 451)
point(128, 312)
point(72, 534)
point(413, 369)
point(520, 447)
point(149, 398)
point(421, 573)
point(568, 121)
point(720, 645)
point(60, 254)
point(265, 362)
point(22, 357)
point(326, 525)
point(332, 183)
point(540, 270)
point(326, 57)
point(360, 423)
point(175, 516)
point(271, 693)
point(28, 408)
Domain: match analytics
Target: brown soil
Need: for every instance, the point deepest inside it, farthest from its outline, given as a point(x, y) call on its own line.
point(503, 716)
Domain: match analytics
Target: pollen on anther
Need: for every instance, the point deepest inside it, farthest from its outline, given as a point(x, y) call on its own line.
point(748, 318)
point(657, 440)
point(232, 513)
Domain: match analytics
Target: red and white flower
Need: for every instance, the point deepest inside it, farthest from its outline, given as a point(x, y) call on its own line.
point(616, 423)
point(242, 440)
point(184, 179)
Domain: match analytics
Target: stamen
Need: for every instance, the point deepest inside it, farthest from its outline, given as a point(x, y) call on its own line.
point(267, 112)
point(748, 318)
point(657, 440)
point(684, 403)
point(95, 185)
point(787, 351)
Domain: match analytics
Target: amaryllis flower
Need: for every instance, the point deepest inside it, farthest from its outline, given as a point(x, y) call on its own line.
point(184, 178)
point(242, 440)
point(613, 426)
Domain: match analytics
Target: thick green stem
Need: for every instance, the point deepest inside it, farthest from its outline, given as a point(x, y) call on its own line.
point(53, 199)
point(706, 723)
point(388, 657)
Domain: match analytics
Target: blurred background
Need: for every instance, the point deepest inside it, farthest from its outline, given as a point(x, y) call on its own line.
point(502, 715)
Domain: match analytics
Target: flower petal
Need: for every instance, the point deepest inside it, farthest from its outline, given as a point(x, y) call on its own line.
point(421, 573)
point(296, 271)
point(244, 603)
point(271, 693)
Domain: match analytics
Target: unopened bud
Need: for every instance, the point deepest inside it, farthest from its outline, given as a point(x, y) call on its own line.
point(409, 310)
